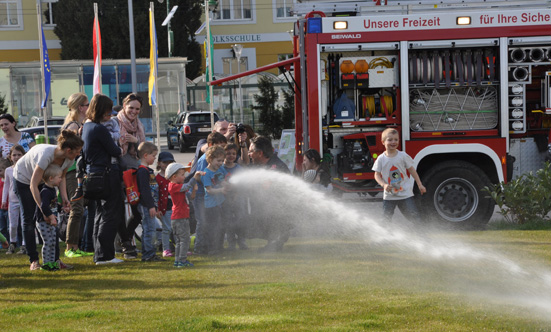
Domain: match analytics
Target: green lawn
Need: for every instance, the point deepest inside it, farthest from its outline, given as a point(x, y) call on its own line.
point(315, 284)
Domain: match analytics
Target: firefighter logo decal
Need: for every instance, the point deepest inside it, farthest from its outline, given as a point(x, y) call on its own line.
point(395, 179)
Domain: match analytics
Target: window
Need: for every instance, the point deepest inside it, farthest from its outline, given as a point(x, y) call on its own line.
point(283, 57)
point(283, 8)
point(10, 14)
point(47, 9)
point(233, 10)
point(230, 65)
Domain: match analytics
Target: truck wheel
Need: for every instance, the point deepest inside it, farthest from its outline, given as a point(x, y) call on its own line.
point(454, 195)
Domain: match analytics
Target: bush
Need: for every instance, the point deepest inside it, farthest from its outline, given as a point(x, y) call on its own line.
point(526, 198)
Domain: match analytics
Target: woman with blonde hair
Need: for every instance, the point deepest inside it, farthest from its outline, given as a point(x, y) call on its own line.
point(78, 105)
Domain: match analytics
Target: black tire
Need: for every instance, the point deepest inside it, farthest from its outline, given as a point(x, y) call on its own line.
point(170, 146)
point(181, 146)
point(454, 197)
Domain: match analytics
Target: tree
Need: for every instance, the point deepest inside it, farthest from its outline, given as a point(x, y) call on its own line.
point(74, 21)
point(270, 115)
point(3, 106)
point(288, 109)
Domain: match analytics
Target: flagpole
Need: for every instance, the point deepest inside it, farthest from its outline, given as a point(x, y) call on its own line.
point(43, 87)
point(209, 64)
point(97, 38)
point(158, 118)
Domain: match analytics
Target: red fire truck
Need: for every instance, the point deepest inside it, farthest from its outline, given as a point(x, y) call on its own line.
point(467, 85)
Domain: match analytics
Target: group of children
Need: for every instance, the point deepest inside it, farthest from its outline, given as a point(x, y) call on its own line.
point(45, 214)
point(10, 210)
point(167, 196)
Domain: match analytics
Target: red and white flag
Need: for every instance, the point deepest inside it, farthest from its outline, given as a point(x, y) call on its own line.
point(97, 53)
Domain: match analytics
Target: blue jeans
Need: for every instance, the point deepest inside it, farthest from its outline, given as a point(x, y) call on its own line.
point(87, 241)
point(200, 239)
point(407, 206)
point(149, 226)
point(4, 224)
point(167, 228)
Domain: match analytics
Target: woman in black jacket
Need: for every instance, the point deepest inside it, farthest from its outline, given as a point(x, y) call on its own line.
point(99, 150)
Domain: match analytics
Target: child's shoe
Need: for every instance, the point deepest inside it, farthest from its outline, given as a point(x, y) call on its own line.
point(186, 263)
point(11, 249)
point(167, 253)
point(79, 194)
point(177, 264)
point(50, 267)
point(22, 251)
point(155, 258)
point(35, 266)
point(84, 253)
point(72, 253)
point(63, 266)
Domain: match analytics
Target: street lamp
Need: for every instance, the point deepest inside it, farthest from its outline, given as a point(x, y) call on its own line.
point(237, 49)
point(210, 6)
point(170, 34)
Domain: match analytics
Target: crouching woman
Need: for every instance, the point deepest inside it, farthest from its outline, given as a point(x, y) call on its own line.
point(28, 173)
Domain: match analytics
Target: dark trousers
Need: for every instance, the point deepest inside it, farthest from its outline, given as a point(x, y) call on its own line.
point(87, 241)
point(109, 214)
point(28, 206)
point(214, 229)
point(126, 232)
point(407, 206)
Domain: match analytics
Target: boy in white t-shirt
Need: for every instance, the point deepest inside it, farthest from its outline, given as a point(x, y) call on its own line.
point(394, 171)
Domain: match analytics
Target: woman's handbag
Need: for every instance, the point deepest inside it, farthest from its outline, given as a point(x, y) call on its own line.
point(96, 185)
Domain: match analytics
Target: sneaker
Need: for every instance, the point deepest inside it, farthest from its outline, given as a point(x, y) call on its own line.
point(50, 267)
point(177, 264)
point(22, 251)
point(154, 258)
point(130, 256)
point(72, 253)
point(79, 194)
point(11, 249)
point(84, 253)
point(112, 261)
point(167, 253)
point(63, 266)
point(186, 264)
point(35, 266)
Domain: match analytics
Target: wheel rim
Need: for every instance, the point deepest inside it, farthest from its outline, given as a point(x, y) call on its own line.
point(456, 199)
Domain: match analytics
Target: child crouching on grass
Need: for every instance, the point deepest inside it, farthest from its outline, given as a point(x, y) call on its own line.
point(175, 173)
point(45, 216)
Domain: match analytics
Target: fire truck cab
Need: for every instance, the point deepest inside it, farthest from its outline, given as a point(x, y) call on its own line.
point(466, 84)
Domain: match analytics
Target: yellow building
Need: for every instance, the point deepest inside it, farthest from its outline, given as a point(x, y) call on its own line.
point(262, 27)
point(19, 31)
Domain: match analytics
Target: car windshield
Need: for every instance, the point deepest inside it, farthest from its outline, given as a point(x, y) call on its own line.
point(200, 118)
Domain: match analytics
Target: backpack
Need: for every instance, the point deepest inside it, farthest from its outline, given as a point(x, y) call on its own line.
point(131, 185)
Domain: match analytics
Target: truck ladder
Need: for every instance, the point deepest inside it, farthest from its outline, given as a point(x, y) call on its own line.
point(402, 7)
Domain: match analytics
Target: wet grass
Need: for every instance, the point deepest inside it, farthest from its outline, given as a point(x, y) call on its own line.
point(315, 284)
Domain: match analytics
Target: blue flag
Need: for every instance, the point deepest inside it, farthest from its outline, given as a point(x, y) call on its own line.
point(47, 71)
